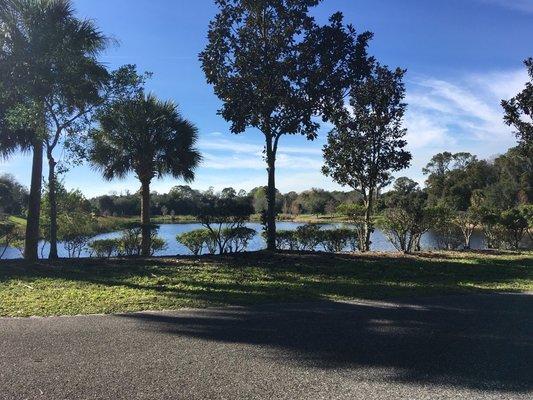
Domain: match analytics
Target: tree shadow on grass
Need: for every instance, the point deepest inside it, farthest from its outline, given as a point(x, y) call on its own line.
point(313, 275)
point(479, 342)
point(482, 341)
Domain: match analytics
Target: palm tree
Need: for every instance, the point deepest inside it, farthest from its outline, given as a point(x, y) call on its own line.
point(48, 58)
point(147, 137)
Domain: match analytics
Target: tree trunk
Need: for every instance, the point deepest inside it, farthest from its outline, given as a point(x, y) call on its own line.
point(52, 199)
point(271, 200)
point(145, 218)
point(368, 228)
point(34, 203)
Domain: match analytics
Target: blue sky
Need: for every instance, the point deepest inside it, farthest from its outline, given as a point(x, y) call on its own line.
point(462, 57)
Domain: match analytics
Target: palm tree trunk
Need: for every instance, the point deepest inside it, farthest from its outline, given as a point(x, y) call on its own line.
point(52, 199)
point(145, 217)
point(34, 203)
point(271, 201)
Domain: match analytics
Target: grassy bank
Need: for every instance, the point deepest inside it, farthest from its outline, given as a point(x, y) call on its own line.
point(96, 286)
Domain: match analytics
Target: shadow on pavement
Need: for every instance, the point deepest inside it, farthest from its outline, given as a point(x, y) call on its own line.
point(480, 342)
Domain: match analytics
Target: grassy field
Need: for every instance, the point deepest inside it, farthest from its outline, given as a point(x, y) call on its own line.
point(95, 286)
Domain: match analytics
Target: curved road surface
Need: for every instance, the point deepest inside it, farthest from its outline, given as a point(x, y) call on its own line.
point(452, 347)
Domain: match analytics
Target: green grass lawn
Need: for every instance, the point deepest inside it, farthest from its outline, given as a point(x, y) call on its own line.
point(72, 287)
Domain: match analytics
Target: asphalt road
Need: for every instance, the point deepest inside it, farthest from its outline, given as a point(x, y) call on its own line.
point(454, 347)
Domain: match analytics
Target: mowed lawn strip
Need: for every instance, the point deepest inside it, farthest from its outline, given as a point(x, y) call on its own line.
point(87, 286)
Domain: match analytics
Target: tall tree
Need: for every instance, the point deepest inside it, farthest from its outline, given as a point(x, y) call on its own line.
point(274, 69)
point(367, 143)
point(148, 137)
point(519, 112)
point(49, 62)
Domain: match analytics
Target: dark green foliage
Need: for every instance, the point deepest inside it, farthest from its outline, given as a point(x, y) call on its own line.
point(222, 215)
point(11, 235)
point(130, 241)
point(105, 248)
point(238, 238)
point(13, 196)
point(232, 240)
point(336, 240)
point(489, 224)
point(407, 216)
point(448, 236)
point(452, 180)
point(527, 212)
point(357, 214)
point(286, 240)
point(49, 67)
point(519, 112)
point(198, 240)
point(308, 236)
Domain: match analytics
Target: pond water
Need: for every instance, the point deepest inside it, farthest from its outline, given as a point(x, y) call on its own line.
point(169, 231)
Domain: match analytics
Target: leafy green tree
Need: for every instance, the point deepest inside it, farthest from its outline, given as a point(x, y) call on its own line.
point(274, 68)
point(368, 144)
point(49, 60)
point(519, 112)
point(149, 138)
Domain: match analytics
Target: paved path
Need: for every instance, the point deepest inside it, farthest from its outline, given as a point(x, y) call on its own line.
point(440, 348)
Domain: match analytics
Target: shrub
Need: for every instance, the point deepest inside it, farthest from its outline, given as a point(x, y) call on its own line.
point(130, 243)
point(286, 240)
point(308, 236)
point(237, 239)
point(356, 213)
point(227, 240)
point(404, 226)
point(75, 231)
point(195, 240)
point(157, 244)
point(105, 248)
point(336, 240)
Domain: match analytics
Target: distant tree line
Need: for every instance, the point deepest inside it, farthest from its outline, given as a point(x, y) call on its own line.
point(184, 200)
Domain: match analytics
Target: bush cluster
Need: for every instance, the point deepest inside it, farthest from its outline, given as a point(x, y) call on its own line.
point(128, 244)
point(225, 240)
point(309, 237)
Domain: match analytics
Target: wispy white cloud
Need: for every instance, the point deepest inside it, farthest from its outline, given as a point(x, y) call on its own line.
point(459, 114)
point(519, 5)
